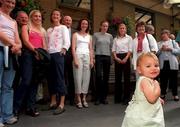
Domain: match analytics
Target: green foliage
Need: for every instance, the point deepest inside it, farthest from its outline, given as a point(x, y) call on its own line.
point(114, 22)
point(26, 5)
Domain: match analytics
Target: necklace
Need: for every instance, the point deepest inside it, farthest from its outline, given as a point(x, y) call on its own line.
point(83, 34)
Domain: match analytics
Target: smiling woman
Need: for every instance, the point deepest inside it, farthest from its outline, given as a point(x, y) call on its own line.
point(58, 44)
point(33, 37)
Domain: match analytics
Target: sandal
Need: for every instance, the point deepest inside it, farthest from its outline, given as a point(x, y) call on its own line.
point(79, 105)
point(85, 104)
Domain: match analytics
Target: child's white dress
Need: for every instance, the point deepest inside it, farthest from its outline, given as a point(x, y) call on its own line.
point(140, 113)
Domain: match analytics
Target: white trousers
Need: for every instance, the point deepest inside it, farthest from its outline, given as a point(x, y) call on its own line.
point(82, 74)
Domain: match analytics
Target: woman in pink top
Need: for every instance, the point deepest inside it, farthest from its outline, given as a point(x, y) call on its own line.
point(33, 36)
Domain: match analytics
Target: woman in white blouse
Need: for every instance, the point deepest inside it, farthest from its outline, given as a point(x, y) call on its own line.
point(58, 44)
point(143, 42)
point(122, 49)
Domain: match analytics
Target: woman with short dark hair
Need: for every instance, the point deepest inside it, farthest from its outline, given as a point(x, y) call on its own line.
point(143, 42)
point(168, 64)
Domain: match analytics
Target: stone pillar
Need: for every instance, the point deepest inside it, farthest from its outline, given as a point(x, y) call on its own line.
point(47, 6)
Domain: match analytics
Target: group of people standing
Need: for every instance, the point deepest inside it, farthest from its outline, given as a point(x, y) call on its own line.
point(73, 54)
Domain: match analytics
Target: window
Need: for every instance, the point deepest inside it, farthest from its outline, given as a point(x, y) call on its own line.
point(142, 15)
point(76, 3)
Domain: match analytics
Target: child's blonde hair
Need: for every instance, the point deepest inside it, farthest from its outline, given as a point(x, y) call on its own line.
point(148, 54)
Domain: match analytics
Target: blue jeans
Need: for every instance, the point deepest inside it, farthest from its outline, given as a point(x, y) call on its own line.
point(27, 88)
point(6, 90)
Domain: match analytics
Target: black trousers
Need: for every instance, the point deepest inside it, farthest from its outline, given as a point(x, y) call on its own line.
point(102, 76)
point(168, 76)
point(69, 79)
point(122, 90)
point(56, 81)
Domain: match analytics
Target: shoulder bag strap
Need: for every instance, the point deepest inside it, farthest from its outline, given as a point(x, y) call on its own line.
point(148, 42)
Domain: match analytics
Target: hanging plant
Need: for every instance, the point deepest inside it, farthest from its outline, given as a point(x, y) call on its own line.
point(114, 22)
point(27, 6)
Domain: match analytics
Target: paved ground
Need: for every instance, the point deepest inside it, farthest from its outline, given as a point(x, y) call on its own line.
point(110, 115)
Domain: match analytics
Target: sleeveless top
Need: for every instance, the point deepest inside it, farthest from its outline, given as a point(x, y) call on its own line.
point(7, 26)
point(140, 113)
point(36, 39)
point(82, 44)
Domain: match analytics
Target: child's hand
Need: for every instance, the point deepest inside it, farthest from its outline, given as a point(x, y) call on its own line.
point(156, 83)
point(151, 90)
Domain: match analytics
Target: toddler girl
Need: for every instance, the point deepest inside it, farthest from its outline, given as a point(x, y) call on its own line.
point(145, 108)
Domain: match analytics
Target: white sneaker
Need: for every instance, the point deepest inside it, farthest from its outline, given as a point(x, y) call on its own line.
point(11, 121)
point(2, 125)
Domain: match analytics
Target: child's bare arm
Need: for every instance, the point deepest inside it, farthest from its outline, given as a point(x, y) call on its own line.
point(151, 90)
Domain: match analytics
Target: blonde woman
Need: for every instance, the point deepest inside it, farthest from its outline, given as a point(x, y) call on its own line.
point(33, 36)
point(122, 49)
point(82, 61)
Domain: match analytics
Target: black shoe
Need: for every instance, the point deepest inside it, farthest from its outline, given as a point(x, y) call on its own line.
point(58, 111)
point(125, 102)
point(32, 112)
point(96, 103)
point(71, 102)
point(105, 102)
point(52, 107)
point(117, 102)
point(42, 102)
point(16, 114)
